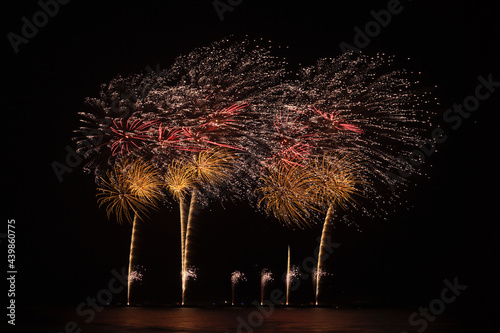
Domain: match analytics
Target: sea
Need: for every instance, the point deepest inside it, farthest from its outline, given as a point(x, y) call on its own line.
point(234, 319)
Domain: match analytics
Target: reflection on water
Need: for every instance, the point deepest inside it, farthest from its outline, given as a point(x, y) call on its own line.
point(238, 319)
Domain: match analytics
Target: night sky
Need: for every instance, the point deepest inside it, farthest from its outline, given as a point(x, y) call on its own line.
point(66, 247)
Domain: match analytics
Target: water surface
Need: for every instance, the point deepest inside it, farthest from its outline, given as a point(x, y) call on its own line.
point(237, 319)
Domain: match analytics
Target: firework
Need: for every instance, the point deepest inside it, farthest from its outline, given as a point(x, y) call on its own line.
point(212, 166)
point(179, 179)
point(337, 176)
point(224, 118)
point(132, 186)
point(295, 143)
point(236, 278)
point(266, 276)
point(363, 105)
point(285, 193)
point(129, 135)
point(115, 124)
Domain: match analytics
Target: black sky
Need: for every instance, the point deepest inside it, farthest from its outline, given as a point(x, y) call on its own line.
point(66, 246)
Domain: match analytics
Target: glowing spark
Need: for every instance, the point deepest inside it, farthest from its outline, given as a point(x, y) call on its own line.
point(136, 275)
point(315, 274)
point(236, 278)
point(190, 273)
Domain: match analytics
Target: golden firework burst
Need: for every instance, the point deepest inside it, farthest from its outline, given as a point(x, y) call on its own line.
point(337, 176)
point(212, 166)
point(179, 179)
point(130, 187)
point(285, 194)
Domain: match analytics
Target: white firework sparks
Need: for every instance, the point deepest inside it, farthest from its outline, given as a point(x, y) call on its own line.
point(315, 275)
point(266, 276)
point(136, 275)
point(190, 273)
point(294, 274)
point(236, 277)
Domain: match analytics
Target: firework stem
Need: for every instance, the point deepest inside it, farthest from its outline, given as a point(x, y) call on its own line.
point(131, 260)
point(183, 221)
point(193, 210)
point(327, 226)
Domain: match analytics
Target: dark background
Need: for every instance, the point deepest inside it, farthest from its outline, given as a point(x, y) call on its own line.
point(66, 248)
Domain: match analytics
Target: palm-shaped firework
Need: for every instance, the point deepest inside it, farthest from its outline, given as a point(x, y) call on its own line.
point(132, 187)
point(180, 180)
point(336, 182)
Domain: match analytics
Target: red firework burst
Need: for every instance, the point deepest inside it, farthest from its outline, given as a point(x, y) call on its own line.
point(197, 139)
point(294, 142)
point(129, 135)
point(169, 137)
point(336, 121)
point(223, 118)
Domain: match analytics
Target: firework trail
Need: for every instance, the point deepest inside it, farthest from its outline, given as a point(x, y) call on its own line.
point(265, 277)
point(236, 278)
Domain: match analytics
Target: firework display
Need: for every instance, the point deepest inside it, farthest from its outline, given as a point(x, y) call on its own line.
point(231, 122)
